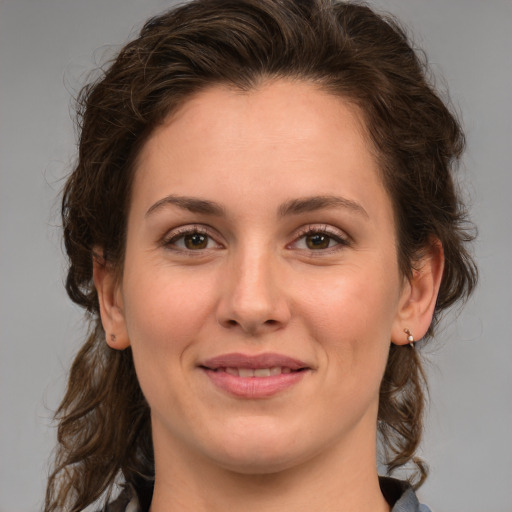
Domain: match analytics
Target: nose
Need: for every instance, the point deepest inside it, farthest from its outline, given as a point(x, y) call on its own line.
point(252, 299)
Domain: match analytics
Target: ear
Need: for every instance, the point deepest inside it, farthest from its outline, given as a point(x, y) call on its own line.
point(110, 298)
point(418, 300)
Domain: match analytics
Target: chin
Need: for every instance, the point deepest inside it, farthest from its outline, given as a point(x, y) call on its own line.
point(260, 455)
point(260, 464)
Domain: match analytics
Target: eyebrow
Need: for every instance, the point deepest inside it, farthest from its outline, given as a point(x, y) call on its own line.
point(291, 207)
point(192, 204)
point(311, 204)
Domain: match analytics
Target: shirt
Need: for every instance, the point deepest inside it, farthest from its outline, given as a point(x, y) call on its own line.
point(400, 495)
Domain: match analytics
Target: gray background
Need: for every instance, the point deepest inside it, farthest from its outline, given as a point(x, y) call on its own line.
point(47, 47)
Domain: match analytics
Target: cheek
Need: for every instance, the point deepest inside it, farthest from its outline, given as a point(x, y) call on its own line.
point(164, 313)
point(351, 315)
point(165, 309)
point(355, 299)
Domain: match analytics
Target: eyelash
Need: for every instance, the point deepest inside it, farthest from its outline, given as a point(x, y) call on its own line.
point(170, 240)
point(340, 241)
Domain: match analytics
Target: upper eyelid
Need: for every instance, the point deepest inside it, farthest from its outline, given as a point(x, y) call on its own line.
point(188, 228)
point(322, 228)
point(192, 228)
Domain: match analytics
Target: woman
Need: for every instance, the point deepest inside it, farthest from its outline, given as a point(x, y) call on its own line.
point(261, 224)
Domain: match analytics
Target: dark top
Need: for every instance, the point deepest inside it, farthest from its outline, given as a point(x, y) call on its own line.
point(400, 495)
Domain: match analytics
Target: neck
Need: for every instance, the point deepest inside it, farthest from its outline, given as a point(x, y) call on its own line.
point(341, 479)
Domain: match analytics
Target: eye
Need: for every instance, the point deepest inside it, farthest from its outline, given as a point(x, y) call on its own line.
point(195, 241)
point(318, 239)
point(190, 239)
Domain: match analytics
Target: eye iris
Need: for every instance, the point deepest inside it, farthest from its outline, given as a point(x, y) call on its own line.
point(317, 241)
point(196, 241)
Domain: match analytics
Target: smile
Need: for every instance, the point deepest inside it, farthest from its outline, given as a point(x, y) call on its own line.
point(254, 377)
point(257, 372)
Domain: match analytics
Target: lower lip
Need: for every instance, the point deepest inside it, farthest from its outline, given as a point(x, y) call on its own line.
point(254, 387)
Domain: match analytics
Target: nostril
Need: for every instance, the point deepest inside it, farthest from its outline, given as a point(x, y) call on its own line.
point(270, 322)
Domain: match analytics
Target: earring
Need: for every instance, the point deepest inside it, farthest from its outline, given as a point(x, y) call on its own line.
point(410, 337)
point(113, 338)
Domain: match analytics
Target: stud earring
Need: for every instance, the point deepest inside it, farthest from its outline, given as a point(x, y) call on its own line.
point(113, 338)
point(410, 337)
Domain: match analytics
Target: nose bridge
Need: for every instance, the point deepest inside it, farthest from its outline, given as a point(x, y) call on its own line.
point(254, 285)
point(252, 298)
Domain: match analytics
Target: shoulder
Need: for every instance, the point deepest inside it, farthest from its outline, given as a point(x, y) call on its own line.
point(401, 496)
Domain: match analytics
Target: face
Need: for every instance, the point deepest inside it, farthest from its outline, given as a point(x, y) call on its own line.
point(260, 287)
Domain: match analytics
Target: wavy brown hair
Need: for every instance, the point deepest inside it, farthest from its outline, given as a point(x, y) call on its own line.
point(348, 50)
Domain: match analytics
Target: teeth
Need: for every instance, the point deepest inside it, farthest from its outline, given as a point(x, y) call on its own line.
point(246, 372)
point(258, 372)
point(263, 372)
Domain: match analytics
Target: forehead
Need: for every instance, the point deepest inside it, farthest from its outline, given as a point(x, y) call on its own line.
point(273, 108)
point(281, 134)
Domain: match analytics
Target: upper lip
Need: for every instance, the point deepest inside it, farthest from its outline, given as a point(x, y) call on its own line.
point(266, 360)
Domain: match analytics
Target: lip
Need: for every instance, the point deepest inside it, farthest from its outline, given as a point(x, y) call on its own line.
point(266, 360)
point(254, 387)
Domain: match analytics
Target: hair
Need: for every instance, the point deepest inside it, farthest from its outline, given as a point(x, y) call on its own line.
point(104, 430)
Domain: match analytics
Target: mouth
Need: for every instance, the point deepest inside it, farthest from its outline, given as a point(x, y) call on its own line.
point(256, 372)
point(252, 377)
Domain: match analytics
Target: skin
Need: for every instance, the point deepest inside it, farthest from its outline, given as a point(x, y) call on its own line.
point(257, 286)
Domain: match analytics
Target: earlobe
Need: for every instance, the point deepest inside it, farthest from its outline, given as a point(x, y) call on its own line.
point(419, 296)
point(109, 293)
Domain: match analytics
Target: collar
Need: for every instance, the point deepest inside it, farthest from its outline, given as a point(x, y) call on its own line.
point(399, 494)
